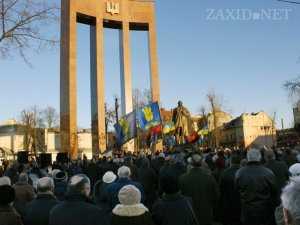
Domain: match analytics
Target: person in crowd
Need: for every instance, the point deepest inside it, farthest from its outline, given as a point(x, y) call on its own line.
point(291, 202)
point(124, 179)
point(294, 172)
point(173, 208)
point(5, 181)
point(100, 194)
point(258, 191)
point(230, 197)
point(148, 178)
point(60, 183)
point(279, 169)
point(202, 188)
point(77, 209)
point(38, 210)
point(8, 215)
point(24, 194)
point(130, 211)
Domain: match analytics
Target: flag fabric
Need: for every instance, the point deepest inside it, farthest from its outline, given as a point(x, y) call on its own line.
point(168, 127)
point(149, 116)
point(126, 128)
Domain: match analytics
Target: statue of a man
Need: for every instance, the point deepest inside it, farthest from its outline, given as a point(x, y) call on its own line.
point(183, 123)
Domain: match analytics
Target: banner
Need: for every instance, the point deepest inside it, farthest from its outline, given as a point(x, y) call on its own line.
point(149, 116)
point(126, 128)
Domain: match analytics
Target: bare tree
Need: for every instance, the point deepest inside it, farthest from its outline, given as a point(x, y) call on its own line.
point(50, 117)
point(140, 97)
point(215, 105)
point(293, 88)
point(21, 24)
point(31, 120)
point(203, 121)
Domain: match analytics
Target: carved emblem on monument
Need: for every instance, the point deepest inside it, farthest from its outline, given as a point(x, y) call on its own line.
point(112, 8)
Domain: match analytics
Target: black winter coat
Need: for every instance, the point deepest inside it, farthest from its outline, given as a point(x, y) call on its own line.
point(38, 210)
point(204, 191)
point(173, 210)
point(77, 210)
point(230, 206)
point(258, 190)
point(280, 171)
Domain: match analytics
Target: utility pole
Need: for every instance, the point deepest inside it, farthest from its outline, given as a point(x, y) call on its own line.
point(282, 124)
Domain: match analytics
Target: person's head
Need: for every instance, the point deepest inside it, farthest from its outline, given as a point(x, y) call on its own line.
point(109, 177)
point(60, 176)
point(169, 184)
point(196, 160)
point(294, 170)
point(253, 155)
point(23, 178)
point(5, 181)
point(124, 172)
point(79, 184)
point(235, 159)
point(45, 185)
point(269, 155)
point(7, 195)
point(180, 103)
point(291, 202)
point(129, 195)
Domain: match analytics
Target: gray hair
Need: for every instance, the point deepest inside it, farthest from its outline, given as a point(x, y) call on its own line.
point(77, 183)
point(196, 160)
point(253, 155)
point(23, 178)
point(290, 199)
point(124, 172)
point(5, 181)
point(45, 184)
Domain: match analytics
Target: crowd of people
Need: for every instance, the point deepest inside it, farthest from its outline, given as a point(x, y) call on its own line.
point(254, 187)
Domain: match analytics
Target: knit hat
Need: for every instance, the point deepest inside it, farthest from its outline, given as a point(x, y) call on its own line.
point(60, 176)
point(129, 195)
point(109, 177)
point(7, 195)
point(295, 170)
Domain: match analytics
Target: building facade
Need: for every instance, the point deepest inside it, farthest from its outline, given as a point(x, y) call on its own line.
point(255, 129)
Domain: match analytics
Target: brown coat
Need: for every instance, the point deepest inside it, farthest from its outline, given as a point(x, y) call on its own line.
point(9, 216)
point(24, 194)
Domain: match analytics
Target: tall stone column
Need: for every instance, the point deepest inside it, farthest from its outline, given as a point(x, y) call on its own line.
point(126, 82)
point(97, 88)
point(152, 43)
point(68, 86)
point(125, 63)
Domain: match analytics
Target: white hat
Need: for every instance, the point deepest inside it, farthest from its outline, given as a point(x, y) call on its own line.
point(109, 177)
point(295, 170)
point(129, 195)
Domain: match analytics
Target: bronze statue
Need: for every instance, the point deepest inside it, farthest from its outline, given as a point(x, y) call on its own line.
point(183, 123)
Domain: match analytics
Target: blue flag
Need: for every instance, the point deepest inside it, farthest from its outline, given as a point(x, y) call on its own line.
point(149, 116)
point(126, 128)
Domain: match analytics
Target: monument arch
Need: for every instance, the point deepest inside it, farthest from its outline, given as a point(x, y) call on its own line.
point(124, 15)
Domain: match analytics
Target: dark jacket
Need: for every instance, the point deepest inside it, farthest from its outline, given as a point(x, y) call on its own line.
point(230, 197)
point(24, 194)
point(113, 190)
point(77, 210)
point(132, 215)
point(9, 216)
point(149, 180)
point(258, 190)
point(173, 210)
point(38, 210)
point(60, 190)
point(203, 190)
point(280, 171)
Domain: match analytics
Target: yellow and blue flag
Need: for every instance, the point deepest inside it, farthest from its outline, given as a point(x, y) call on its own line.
point(149, 116)
point(126, 128)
